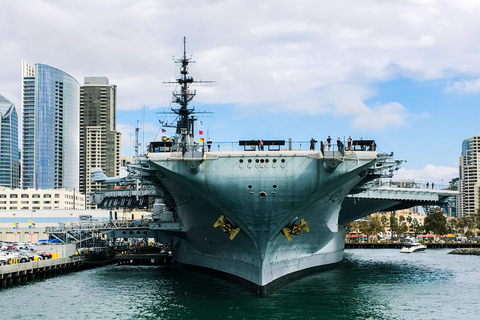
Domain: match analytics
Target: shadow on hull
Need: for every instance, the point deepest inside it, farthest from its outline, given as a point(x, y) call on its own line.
point(259, 291)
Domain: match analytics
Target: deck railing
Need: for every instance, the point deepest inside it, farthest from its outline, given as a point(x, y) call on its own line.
point(274, 145)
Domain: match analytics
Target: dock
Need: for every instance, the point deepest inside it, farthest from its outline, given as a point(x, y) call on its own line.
point(17, 273)
point(380, 245)
point(23, 272)
point(143, 258)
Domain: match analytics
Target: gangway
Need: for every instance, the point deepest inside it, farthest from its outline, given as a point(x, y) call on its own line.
point(383, 198)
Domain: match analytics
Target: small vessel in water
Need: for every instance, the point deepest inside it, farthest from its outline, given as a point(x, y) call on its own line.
point(412, 245)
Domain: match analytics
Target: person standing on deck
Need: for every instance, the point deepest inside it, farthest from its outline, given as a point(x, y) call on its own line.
point(209, 144)
point(329, 142)
point(312, 144)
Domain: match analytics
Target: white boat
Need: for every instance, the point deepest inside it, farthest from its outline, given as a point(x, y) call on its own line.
point(412, 245)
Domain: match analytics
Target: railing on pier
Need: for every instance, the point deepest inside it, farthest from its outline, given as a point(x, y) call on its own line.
point(106, 224)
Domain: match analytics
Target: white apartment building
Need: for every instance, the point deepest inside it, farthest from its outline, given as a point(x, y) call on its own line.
point(49, 199)
point(468, 200)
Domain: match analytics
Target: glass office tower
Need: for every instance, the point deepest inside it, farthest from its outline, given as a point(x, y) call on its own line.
point(50, 128)
point(9, 154)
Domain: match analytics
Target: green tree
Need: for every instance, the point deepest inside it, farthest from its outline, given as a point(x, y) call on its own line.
point(417, 227)
point(384, 219)
point(470, 234)
point(373, 226)
point(470, 222)
point(394, 224)
point(436, 222)
point(461, 226)
point(477, 219)
point(402, 229)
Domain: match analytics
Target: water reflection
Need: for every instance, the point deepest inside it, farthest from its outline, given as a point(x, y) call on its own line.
point(368, 284)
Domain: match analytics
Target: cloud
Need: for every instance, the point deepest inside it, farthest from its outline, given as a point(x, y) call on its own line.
point(287, 57)
point(466, 86)
point(440, 175)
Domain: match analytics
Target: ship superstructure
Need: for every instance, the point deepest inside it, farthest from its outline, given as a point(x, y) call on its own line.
point(261, 214)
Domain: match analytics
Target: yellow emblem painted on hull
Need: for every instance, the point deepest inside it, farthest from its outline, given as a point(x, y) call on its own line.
point(295, 229)
point(226, 226)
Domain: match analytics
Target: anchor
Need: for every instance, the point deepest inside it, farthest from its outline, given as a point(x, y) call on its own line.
point(226, 226)
point(295, 229)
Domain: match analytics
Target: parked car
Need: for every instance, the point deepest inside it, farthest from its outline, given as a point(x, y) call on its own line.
point(30, 255)
point(4, 258)
point(24, 257)
point(44, 255)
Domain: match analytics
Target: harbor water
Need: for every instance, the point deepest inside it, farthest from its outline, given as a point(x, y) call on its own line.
point(368, 284)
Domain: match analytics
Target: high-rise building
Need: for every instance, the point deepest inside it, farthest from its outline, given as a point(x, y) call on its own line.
point(9, 154)
point(51, 109)
point(99, 140)
point(468, 200)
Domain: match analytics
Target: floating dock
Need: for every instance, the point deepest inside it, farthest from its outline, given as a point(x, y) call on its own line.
point(143, 258)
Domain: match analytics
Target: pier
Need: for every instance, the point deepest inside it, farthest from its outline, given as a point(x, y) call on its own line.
point(379, 245)
point(143, 258)
point(23, 272)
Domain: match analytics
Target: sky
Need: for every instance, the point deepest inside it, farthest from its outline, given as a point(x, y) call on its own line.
point(403, 73)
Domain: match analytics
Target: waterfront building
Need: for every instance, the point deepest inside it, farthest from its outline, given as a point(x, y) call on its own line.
point(40, 199)
point(99, 140)
point(410, 217)
point(25, 214)
point(9, 153)
point(468, 200)
point(50, 103)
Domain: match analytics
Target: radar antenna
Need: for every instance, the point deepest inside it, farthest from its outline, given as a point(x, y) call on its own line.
point(186, 118)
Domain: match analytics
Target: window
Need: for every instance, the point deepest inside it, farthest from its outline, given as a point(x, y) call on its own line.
point(13, 196)
point(13, 208)
point(35, 196)
point(46, 202)
point(57, 195)
point(3, 195)
point(36, 208)
point(24, 202)
point(24, 195)
point(13, 202)
point(47, 195)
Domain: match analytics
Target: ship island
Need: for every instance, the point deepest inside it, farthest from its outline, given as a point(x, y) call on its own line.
point(264, 214)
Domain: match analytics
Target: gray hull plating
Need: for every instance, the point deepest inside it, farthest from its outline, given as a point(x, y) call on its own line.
point(261, 193)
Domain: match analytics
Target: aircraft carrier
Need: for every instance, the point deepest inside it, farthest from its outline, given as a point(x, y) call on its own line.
point(264, 213)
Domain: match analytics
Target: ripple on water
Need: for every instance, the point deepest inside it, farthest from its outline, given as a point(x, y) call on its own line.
point(375, 284)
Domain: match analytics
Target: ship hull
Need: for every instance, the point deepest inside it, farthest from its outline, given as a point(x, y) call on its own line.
point(274, 274)
point(262, 198)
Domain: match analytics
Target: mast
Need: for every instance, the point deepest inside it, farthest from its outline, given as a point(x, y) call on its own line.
point(186, 120)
